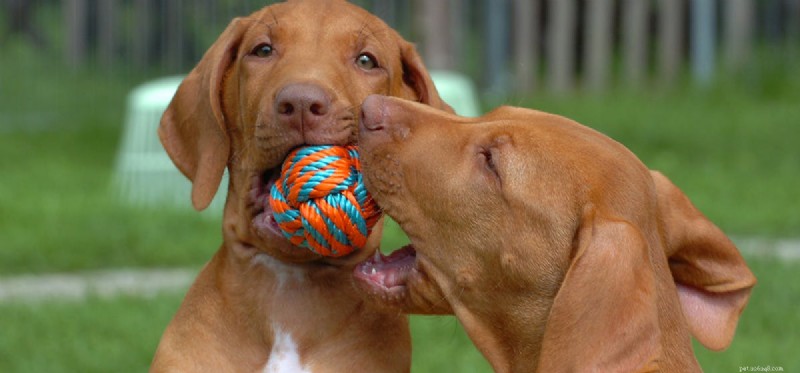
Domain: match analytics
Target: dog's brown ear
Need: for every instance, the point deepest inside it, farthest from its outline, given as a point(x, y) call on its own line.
point(604, 317)
point(713, 280)
point(193, 129)
point(417, 82)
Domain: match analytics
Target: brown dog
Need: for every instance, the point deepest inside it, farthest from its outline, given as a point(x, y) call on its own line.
point(548, 241)
point(290, 74)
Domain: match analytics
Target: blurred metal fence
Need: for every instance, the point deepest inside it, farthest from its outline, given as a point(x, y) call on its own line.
point(505, 45)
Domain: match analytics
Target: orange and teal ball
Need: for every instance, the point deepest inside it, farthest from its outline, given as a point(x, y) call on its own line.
point(320, 202)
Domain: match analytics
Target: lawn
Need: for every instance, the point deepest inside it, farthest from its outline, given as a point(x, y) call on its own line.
point(733, 152)
point(59, 133)
point(120, 335)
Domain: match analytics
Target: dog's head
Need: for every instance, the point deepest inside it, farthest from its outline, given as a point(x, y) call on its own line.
point(533, 228)
point(290, 74)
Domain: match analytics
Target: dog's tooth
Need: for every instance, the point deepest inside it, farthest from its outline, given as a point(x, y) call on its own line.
point(374, 271)
point(377, 258)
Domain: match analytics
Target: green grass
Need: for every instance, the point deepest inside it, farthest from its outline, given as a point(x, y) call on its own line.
point(767, 333)
point(59, 133)
point(736, 156)
point(116, 335)
point(120, 335)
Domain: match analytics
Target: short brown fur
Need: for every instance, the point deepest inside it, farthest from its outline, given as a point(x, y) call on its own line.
point(555, 247)
point(225, 115)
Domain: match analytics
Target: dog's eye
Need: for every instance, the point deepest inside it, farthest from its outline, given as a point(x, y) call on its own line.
point(262, 50)
point(366, 61)
point(489, 161)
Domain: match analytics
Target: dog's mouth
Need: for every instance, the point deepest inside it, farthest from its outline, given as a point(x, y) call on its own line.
point(263, 220)
point(387, 276)
point(265, 226)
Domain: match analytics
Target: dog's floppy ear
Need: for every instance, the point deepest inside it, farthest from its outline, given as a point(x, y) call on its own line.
point(604, 317)
point(417, 83)
point(193, 129)
point(713, 279)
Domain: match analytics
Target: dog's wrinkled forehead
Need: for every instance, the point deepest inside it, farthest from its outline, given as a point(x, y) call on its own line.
point(322, 31)
point(328, 20)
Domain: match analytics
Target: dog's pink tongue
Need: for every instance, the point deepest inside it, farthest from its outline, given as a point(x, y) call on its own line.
point(388, 271)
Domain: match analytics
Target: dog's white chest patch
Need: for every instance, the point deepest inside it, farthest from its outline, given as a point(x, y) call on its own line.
point(284, 357)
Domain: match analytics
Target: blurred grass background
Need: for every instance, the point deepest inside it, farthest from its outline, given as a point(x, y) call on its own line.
point(121, 334)
point(732, 148)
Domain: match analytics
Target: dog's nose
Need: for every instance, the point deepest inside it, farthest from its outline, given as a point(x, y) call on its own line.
point(372, 113)
point(303, 106)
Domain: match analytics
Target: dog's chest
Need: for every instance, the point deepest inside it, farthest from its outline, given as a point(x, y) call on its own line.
point(284, 357)
point(284, 274)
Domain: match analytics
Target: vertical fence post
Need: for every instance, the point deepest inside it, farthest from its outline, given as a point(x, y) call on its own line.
point(526, 45)
point(793, 21)
point(634, 13)
point(793, 27)
point(597, 44)
point(385, 10)
point(561, 46)
point(738, 32)
point(670, 40)
point(436, 28)
point(496, 45)
point(142, 26)
point(174, 38)
point(108, 23)
point(75, 22)
point(202, 18)
point(703, 38)
point(772, 17)
point(458, 33)
point(794, 17)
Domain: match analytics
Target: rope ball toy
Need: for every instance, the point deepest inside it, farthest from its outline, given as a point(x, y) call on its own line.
point(320, 201)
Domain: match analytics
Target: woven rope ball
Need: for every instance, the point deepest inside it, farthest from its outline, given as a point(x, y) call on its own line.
point(320, 201)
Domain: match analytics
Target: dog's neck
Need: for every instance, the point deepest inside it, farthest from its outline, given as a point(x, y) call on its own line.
point(294, 295)
point(508, 340)
point(309, 307)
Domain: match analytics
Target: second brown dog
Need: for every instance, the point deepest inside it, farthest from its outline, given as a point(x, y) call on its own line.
point(555, 247)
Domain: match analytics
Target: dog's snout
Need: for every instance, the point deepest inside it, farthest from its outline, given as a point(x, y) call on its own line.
point(372, 113)
point(302, 105)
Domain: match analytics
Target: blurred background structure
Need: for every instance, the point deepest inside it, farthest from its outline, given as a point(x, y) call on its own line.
point(706, 91)
point(519, 46)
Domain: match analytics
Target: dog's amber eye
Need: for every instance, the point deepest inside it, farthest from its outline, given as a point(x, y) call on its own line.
point(366, 61)
point(262, 50)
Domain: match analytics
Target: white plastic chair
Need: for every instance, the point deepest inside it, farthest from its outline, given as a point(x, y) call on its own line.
point(458, 91)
